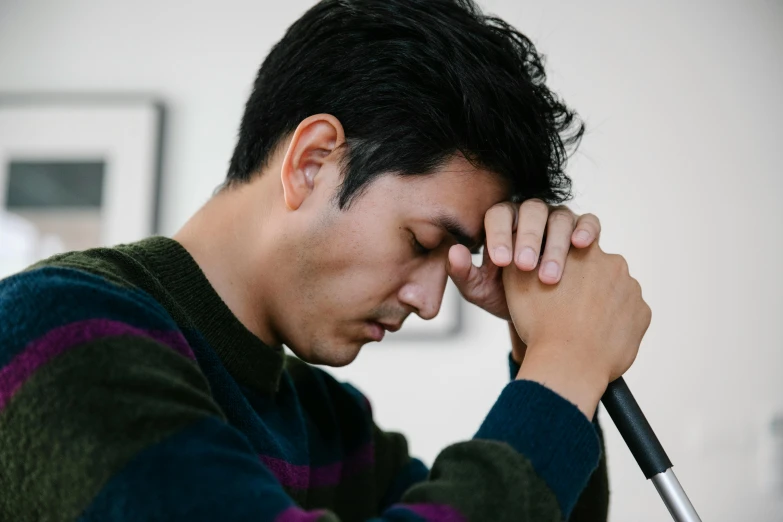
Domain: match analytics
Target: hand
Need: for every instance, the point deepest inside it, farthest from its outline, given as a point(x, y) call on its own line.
point(531, 221)
point(583, 333)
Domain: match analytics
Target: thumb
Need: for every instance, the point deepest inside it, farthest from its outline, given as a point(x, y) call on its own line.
point(460, 267)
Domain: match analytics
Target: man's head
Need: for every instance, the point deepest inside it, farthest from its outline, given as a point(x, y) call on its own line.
point(377, 135)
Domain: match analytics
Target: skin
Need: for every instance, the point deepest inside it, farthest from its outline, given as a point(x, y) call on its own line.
point(520, 229)
point(583, 333)
point(296, 270)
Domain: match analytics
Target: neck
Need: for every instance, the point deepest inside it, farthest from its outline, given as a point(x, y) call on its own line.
point(226, 238)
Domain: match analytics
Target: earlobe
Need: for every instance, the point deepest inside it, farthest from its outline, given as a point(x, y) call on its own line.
point(312, 142)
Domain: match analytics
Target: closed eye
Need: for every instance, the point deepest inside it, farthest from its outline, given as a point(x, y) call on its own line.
point(419, 248)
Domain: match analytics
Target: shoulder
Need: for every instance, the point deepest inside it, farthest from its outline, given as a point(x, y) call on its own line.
point(89, 283)
point(60, 300)
point(65, 290)
point(113, 264)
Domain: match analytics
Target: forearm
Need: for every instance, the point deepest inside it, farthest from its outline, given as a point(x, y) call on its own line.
point(594, 500)
point(553, 367)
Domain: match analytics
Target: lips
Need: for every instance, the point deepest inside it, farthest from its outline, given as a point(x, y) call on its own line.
point(376, 330)
point(391, 327)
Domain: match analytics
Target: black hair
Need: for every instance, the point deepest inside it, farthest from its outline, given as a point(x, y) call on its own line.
point(413, 82)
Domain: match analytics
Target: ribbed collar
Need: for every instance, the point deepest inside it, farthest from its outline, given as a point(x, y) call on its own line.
point(249, 360)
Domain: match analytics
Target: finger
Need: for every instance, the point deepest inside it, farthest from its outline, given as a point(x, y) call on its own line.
point(560, 226)
point(460, 267)
point(588, 229)
point(489, 269)
point(499, 224)
point(531, 223)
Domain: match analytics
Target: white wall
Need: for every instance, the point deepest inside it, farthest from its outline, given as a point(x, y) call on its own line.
point(681, 163)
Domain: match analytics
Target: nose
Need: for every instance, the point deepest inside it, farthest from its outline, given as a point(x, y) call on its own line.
point(424, 291)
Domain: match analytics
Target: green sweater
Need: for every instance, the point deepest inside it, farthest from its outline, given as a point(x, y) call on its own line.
point(130, 392)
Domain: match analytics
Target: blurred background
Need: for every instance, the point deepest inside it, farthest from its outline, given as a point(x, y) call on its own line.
point(118, 119)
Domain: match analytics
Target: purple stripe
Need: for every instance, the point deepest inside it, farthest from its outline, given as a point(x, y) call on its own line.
point(303, 477)
point(56, 341)
point(355, 463)
point(434, 512)
point(295, 514)
point(287, 474)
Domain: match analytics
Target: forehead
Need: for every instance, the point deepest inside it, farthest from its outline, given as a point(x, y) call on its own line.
point(456, 194)
point(457, 187)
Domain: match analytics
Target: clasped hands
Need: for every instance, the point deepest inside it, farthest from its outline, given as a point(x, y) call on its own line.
point(515, 234)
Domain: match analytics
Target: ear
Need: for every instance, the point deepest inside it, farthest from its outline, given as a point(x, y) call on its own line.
point(313, 141)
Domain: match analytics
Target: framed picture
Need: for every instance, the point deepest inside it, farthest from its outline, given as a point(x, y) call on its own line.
point(76, 172)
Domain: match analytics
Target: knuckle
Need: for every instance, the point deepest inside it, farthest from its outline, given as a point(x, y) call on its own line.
point(646, 315)
point(591, 218)
point(553, 251)
point(535, 205)
point(562, 216)
point(498, 212)
point(589, 222)
point(529, 238)
point(621, 265)
point(632, 357)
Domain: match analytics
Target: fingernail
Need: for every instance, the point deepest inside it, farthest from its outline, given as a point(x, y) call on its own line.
point(551, 269)
point(583, 235)
point(527, 257)
point(502, 254)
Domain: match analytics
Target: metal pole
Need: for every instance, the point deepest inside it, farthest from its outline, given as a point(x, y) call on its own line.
point(674, 497)
point(647, 450)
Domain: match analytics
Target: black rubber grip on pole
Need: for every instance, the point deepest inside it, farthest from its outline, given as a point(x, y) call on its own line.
point(636, 431)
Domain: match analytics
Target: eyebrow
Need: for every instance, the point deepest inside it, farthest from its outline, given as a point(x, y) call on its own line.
point(455, 229)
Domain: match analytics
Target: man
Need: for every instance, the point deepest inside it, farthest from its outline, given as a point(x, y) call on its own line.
point(384, 140)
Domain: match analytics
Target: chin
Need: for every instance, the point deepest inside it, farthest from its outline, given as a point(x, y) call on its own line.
point(335, 354)
point(341, 357)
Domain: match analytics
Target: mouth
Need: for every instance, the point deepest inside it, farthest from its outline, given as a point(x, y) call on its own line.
point(391, 327)
point(376, 330)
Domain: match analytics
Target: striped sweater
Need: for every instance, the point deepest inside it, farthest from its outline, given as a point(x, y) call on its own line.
point(130, 392)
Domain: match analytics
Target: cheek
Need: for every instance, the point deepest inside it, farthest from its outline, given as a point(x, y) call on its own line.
point(364, 286)
point(366, 250)
point(356, 263)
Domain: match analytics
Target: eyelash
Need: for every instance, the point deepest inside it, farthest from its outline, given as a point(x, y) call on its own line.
point(419, 248)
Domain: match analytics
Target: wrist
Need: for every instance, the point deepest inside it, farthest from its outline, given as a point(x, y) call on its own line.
point(581, 384)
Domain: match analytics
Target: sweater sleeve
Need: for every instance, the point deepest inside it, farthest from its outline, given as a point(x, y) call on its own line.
point(104, 415)
point(529, 460)
point(593, 502)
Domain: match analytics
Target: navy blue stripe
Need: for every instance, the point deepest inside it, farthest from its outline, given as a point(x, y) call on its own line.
point(206, 472)
point(557, 438)
point(276, 426)
point(68, 295)
point(413, 472)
